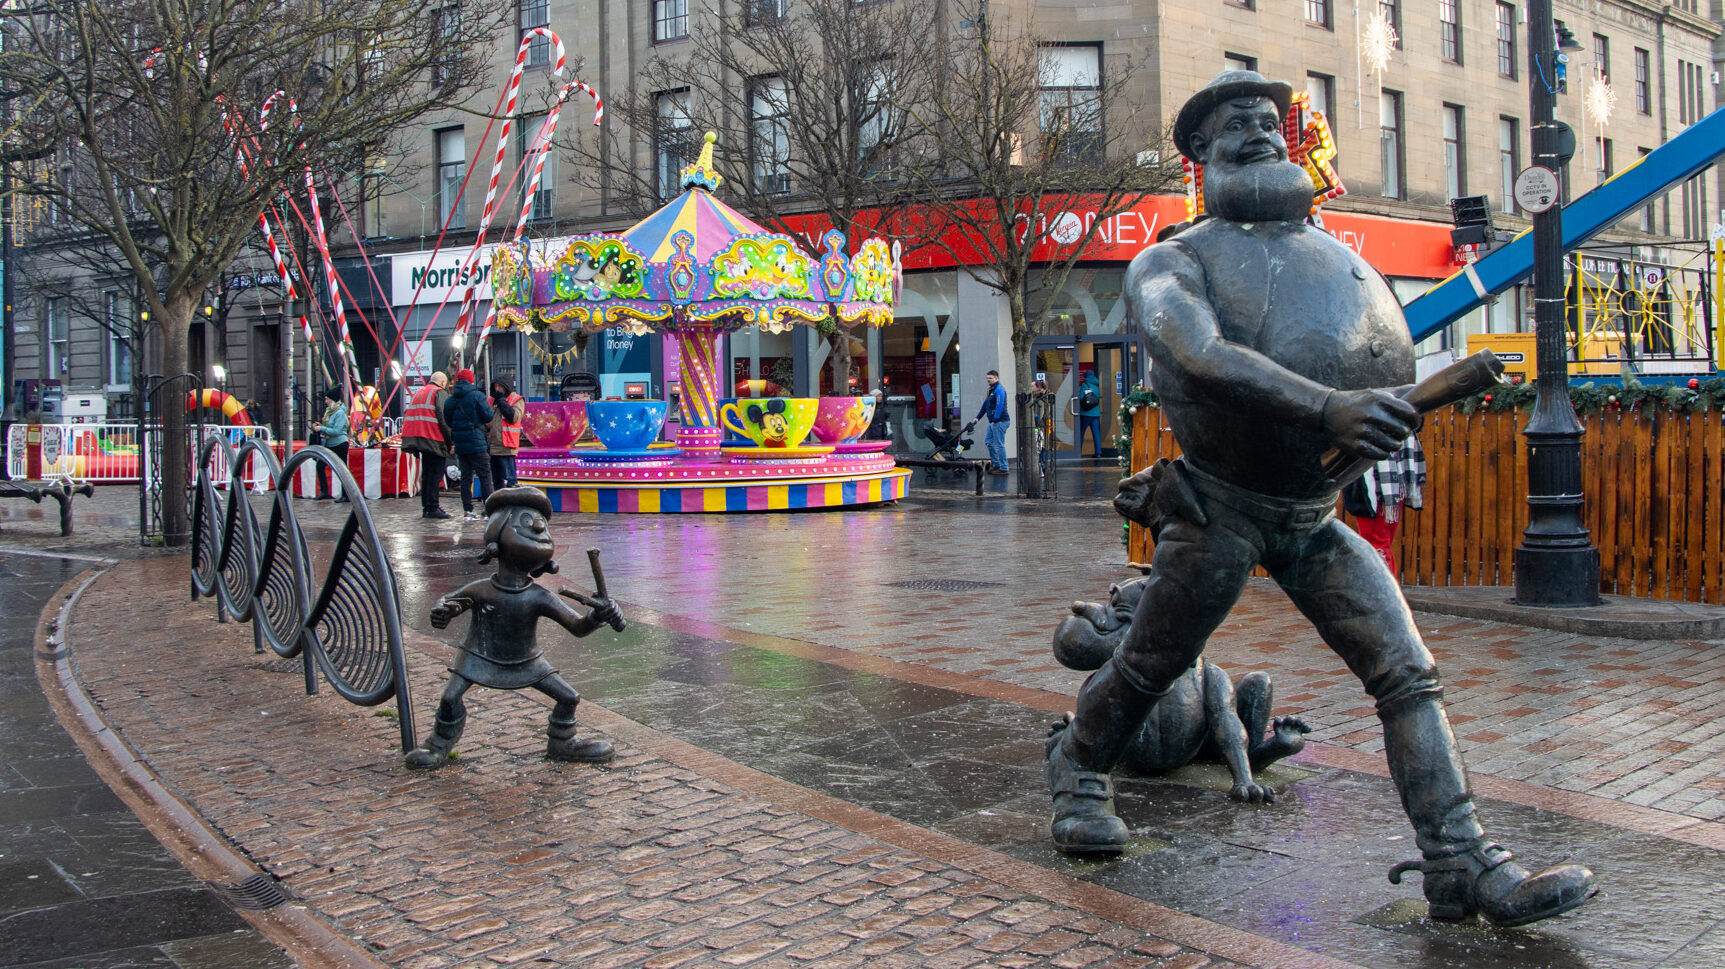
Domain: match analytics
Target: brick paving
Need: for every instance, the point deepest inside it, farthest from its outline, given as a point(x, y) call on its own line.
point(507, 859)
point(1618, 722)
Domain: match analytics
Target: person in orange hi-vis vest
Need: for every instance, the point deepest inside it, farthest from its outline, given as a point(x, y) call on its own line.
point(425, 432)
point(503, 434)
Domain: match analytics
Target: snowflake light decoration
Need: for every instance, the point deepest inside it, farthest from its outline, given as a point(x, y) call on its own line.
point(1601, 100)
point(1378, 41)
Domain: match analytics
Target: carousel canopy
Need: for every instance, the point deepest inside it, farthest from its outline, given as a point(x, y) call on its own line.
point(695, 263)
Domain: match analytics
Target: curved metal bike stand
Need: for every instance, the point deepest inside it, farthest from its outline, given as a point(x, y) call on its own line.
point(351, 630)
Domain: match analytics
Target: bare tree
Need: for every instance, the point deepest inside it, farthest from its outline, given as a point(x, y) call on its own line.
point(804, 99)
point(138, 121)
point(1017, 136)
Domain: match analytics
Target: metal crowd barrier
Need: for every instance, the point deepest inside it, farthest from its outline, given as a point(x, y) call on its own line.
point(103, 453)
point(348, 626)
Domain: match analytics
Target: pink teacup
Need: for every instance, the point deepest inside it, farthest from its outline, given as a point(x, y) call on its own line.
point(554, 424)
point(841, 420)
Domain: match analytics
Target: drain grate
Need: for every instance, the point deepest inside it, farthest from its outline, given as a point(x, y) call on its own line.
point(258, 893)
point(941, 585)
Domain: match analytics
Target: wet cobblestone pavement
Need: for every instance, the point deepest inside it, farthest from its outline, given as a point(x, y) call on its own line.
point(785, 684)
point(82, 883)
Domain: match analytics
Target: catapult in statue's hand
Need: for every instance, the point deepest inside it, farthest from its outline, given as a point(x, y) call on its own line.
point(605, 613)
point(1368, 423)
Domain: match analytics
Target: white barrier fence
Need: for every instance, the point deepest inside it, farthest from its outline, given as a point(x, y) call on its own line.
point(105, 453)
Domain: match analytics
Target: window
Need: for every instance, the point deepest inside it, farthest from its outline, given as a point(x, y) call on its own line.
point(1508, 159)
point(1248, 4)
point(1506, 39)
point(1318, 13)
point(670, 20)
point(877, 124)
point(446, 30)
point(451, 170)
point(1695, 207)
point(1643, 68)
point(371, 192)
point(531, 14)
point(1390, 143)
point(763, 12)
point(1239, 62)
point(117, 322)
point(1604, 150)
point(1691, 96)
point(1454, 150)
point(1070, 113)
point(770, 135)
point(1392, 11)
point(1449, 29)
point(1602, 56)
point(674, 143)
point(57, 326)
point(1649, 212)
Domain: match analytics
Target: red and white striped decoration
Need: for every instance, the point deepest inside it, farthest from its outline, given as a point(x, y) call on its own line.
point(380, 472)
point(263, 220)
point(541, 145)
point(511, 99)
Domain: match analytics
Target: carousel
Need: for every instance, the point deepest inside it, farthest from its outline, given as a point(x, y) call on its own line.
point(694, 271)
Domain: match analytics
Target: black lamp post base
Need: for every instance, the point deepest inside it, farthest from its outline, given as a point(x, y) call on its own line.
point(1557, 577)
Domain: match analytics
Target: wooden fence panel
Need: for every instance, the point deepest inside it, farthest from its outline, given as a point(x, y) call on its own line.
point(1655, 500)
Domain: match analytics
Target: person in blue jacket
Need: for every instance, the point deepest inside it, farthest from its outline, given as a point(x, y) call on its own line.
point(334, 425)
point(999, 417)
point(467, 413)
point(1090, 412)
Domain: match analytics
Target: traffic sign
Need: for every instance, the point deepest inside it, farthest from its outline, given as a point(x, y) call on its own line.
point(1536, 189)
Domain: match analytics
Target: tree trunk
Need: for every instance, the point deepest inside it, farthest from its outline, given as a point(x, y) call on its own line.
point(176, 446)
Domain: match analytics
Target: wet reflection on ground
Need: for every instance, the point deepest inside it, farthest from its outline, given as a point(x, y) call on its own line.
point(1308, 870)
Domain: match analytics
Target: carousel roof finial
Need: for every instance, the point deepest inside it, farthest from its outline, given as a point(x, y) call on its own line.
point(702, 174)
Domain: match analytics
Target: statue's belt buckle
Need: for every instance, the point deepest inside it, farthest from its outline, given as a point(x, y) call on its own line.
point(1305, 516)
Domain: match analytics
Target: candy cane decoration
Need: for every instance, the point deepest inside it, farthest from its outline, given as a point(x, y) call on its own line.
point(264, 222)
point(511, 100)
point(328, 261)
point(541, 145)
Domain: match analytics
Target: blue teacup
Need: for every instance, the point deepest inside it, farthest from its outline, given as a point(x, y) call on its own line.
point(626, 425)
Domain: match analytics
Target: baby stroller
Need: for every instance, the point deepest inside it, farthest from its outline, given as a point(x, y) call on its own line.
point(949, 446)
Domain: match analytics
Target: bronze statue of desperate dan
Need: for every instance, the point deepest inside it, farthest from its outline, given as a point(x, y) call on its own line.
point(501, 650)
point(1273, 344)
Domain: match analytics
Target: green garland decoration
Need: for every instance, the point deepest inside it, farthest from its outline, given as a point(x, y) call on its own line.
point(1590, 398)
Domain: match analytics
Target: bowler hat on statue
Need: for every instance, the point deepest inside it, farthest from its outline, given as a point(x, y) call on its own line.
point(1226, 86)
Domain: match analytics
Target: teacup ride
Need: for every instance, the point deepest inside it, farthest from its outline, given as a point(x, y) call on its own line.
point(693, 271)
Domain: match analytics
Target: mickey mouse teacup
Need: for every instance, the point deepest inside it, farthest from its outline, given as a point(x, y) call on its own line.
point(770, 421)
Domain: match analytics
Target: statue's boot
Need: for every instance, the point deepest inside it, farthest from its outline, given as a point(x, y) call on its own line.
point(434, 753)
point(1465, 873)
point(1082, 750)
point(562, 744)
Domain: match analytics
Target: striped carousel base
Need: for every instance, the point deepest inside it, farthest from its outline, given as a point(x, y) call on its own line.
point(668, 497)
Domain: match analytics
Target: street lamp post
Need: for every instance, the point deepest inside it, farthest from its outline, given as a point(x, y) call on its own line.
point(1557, 563)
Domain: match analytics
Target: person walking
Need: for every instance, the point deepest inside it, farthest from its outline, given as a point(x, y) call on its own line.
point(334, 425)
point(467, 414)
point(1090, 412)
point(425, 432)
point(503, 434)
point(999, 419)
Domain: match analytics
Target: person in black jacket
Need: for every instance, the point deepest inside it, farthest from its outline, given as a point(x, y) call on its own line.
point(467, 413)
